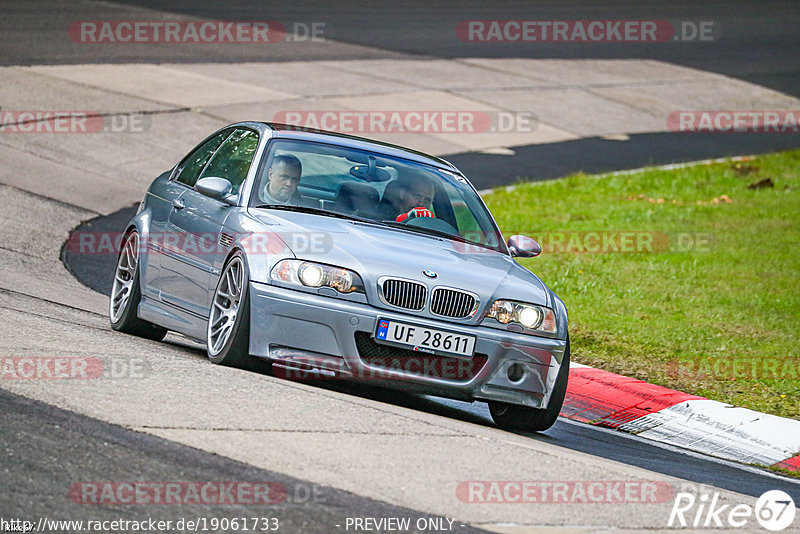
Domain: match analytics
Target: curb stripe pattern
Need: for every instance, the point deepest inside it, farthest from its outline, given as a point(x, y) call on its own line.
point(792, 464)
point(688, 421)
point(607, 399)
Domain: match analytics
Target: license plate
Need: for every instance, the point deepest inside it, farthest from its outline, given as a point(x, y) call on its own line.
point(424, 339)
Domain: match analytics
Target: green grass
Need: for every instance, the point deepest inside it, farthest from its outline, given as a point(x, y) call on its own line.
point(654, 315)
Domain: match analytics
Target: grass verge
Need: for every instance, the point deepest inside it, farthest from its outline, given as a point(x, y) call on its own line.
point(687, 278)
point(784, 472)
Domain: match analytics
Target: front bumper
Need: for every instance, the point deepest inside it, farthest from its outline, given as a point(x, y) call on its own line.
point(303, 331)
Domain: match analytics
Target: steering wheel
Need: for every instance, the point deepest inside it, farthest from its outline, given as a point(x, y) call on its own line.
point(433, 223)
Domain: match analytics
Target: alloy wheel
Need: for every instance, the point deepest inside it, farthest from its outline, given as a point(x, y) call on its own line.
point(225, 306)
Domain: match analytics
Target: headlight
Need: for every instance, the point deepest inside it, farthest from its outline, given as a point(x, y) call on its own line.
point(310, 274)
point(530, 316)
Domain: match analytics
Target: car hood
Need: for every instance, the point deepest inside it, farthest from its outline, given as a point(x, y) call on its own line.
point(374, 251)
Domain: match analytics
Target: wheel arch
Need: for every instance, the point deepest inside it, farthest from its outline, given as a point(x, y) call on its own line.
point(139, 221)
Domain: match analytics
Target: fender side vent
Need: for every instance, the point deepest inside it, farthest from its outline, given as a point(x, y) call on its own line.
point(226, 240)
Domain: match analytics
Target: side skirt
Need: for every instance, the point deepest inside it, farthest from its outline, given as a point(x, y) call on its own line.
point(173, 318)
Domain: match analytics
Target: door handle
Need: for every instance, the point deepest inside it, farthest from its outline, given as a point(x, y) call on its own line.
point(178, 204)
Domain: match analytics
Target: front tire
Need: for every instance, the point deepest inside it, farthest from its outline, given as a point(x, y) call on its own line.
point(126, 293)
point(524, 419)
point(228, 331)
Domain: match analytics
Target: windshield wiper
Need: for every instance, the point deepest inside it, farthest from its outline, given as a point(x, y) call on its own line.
point(316, 211)
point(420, 229)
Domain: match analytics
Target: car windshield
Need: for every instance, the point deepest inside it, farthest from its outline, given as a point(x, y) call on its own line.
point(371, 186)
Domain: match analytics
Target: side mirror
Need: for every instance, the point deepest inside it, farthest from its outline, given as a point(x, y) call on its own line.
point(522, 246)
point(216, 188)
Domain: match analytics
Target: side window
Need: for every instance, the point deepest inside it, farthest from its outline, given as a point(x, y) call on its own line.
point(190, 169)
point(468, 227)
point(233, 159)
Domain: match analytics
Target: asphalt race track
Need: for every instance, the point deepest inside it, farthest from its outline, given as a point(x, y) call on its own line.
point(162, 412)
point(757, 42)
point(62, 442)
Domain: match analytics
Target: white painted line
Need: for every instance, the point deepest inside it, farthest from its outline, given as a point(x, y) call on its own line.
point(688, 452)
point(673, 166)
point(722, 430)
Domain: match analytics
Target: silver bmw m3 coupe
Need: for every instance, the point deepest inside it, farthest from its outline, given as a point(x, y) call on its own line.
point(335, 256)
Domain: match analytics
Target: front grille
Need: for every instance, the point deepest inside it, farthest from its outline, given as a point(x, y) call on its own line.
point(417, 363)
point(404, 294)
point(452, 303)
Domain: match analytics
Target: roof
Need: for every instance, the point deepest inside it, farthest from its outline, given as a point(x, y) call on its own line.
point(288, 131)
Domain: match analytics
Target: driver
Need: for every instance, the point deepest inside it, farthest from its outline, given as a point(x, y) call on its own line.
point(284, 177)
point(413, 197)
